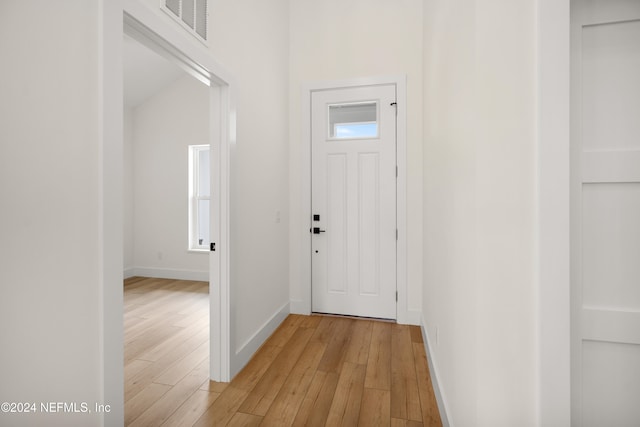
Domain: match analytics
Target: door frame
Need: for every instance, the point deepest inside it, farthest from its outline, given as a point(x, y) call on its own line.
point(152, 30)
point(400, 81)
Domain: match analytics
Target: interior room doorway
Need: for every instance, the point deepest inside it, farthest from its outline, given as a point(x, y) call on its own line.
point(155, 34)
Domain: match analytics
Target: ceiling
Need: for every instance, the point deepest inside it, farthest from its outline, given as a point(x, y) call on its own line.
point(144, 72)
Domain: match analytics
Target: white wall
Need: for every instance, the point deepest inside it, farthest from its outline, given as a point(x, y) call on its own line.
point(331, 40)
point(128, 199)
point(449, 293)
point(507, 329)
point(479, 291)
point(50, 308)
point(554, 212)
point(162, 128)
point(250, 38)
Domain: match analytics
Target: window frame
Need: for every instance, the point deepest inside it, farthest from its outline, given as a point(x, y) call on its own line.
point(195, 197)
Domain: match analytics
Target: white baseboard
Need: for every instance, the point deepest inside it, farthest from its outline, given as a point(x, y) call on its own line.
point(433, 369)
point(167, 273)
point(245, 351)
point(128, 273)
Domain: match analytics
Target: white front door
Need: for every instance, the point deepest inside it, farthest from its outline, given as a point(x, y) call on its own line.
point(353, 244)
point(606, 212)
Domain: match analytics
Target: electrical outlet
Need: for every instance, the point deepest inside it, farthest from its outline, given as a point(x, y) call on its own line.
point(159, 255)
point(277, 217)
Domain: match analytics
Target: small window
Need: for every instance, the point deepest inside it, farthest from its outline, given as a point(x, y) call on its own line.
point(199, 197)
point(193, 15)
point(352, 121)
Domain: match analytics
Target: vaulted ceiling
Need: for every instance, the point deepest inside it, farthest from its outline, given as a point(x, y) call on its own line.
point(144, 72)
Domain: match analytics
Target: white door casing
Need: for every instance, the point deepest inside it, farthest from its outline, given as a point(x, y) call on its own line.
point(605, 39)
point(354, 197)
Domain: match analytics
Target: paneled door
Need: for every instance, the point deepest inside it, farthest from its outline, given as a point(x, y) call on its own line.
point(353, 149)
point(606, 212)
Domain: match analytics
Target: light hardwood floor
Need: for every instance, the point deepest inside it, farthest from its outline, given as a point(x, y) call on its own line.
point(314, 370)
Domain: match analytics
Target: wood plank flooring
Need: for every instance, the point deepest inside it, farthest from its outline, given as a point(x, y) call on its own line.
point(314, 370)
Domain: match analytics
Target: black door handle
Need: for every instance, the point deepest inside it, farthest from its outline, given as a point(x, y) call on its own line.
point(316, 230)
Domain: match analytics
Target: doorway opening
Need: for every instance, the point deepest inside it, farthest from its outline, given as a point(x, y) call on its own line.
point(147, 30)
point(165, 113)
point(166, 287)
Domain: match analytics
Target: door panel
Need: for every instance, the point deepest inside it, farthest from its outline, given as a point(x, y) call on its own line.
point(336, 250)
point(606, 208)
point(611, 242)
point(368, 220)
point(610, 86)
point(353, 150)
point(611, 390)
